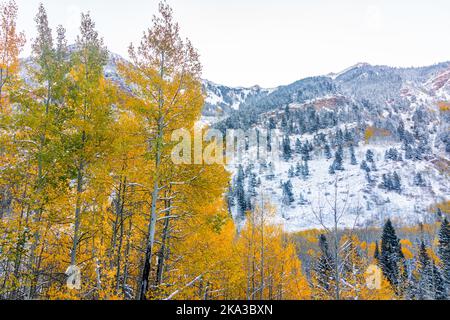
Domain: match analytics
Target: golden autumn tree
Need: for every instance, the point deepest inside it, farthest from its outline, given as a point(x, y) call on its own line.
point(11, 209)
point(11, 44)
point(73, 105)
point(38, 123)
point(166, 93)
point(90, 102)
point(269, 262)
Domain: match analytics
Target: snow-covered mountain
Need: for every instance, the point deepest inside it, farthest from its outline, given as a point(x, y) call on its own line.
point(222, 100)
point(400, 114)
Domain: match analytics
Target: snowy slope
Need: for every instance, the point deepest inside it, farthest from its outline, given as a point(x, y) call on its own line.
point(367, 204)
point(364, 96)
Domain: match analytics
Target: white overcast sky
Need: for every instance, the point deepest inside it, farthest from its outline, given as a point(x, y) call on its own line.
point(272, 42)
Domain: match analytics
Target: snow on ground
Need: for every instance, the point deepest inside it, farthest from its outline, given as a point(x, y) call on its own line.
point(365, 204)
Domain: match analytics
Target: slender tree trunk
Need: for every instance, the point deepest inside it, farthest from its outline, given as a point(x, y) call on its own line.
point(73, 255)
point(262, 251)
point(155, 194)
point(162, 251)
point(126, 262)
point(20, 245)
point(336, 245)
point(121, 225)
point(150, 243)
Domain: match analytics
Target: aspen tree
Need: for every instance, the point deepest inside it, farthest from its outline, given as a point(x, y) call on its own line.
point(12, 213)
point(89, 101)
point(165, 77)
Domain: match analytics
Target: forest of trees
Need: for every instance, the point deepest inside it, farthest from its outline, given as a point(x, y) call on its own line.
point(86, 180)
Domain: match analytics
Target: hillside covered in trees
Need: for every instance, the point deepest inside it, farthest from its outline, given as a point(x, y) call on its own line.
point(92, 207)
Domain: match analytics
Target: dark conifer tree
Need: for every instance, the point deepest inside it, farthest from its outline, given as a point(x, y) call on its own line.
point(339, 159)
point(444, 252)
point(331, 169)
point(287, 151)
point(353, 160)
point(327, 152)
point(401, 130)
point(369, 156)
point(240, 193)
point(288, 195)
point(376, 254)
point(272, 125)
point(440, 288)
point(298, 146)
point(291, 172)
point(430, 285)
point(396, 182)
point(391, 255)
point(364, 166)
point(419, 181)
point(325, 266)
point(409, 151)
point(305, 170)
point(306, 149)
point(424, 286)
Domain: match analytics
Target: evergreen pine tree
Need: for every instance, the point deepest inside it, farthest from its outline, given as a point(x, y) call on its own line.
point(339, 137)
point(272, 125)
point(305, 170)
point(396, 182)
point(252, 184)
point(288, 196)
point(390, 258)
point(348, 136)
point(409, 151)
point(440, 289)
point(230, 197)
point(364, 166)
point(444, 252)
point(298, 169)
point(324, 267)
point(376, 254)
point(291, 172)
point(284, 124)
point(298, 146)
point(287, 112)
point(331, 169)
point(339, 159)
point(369, 178)
point(306, 149)
point(287, 151)
point(419, 181)
point(353, 160)
point(425, 284)
point(248, 203)
point(369, 156)
point(401, 130)
point(240, 193)
point(327, 152)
